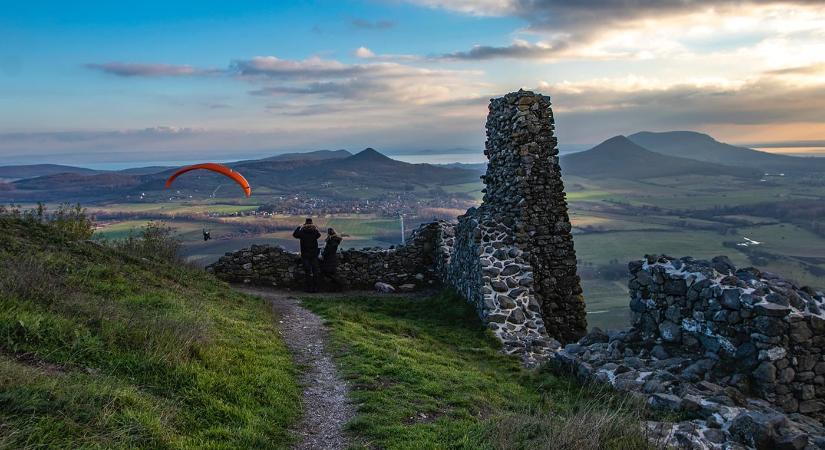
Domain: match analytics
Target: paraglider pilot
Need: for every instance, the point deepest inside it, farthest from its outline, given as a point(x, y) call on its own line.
point(308, 234)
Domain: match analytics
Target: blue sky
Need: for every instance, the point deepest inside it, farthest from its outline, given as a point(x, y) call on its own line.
point(88, 82)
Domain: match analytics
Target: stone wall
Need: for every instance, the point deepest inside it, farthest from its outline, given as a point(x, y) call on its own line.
point(512, 257)
point(737, 353)
point(528, 252)
point(407, 267)
point(765, 334)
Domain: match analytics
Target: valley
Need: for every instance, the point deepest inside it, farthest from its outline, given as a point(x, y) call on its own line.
point(619, 212)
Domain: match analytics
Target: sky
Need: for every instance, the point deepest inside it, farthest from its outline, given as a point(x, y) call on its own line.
point(152, 81)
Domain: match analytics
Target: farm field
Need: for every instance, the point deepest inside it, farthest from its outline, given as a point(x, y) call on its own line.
point(614, 221)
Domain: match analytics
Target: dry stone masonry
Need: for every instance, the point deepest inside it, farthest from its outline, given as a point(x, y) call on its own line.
point(512, 257)
point(758, 331)
point(524, 201)
point(738, 351)
point(407, 267)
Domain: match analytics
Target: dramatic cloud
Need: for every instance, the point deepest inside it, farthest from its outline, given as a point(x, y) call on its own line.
point(640, 29)
point(605, 107)
point(383, 82)
point(146, 70)
point(365, 24)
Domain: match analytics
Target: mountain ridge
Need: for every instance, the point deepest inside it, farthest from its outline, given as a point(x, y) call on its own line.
point(703, 147)
point(619, 157)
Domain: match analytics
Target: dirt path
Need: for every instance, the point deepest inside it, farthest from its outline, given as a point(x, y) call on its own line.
point(326, 407)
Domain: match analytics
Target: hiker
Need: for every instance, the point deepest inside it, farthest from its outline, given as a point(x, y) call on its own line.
point(207, 235)
point(308, 235)
point(329, 261)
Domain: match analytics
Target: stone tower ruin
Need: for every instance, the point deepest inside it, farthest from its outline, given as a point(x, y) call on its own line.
point(524, 188)
point(513, 256)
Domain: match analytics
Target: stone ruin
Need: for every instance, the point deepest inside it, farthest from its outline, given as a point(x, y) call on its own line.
point(738, 353)
point(407, 267)
point(512, 257)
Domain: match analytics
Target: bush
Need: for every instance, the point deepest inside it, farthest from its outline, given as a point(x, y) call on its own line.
point(156, 240)
point(69, 222)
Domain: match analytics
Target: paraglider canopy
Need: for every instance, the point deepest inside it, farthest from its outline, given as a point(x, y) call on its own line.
point(219, 168)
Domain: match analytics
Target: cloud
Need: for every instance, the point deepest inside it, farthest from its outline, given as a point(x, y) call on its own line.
point(600, 108)
point(813, 69)
point(146, 70)
point(272, 66)
point(518, 49)
point(365, 24)
point(378, 81)
point(364, 53)
point(640, 29)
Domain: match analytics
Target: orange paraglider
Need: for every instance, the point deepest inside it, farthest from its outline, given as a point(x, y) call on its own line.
point(219, 168)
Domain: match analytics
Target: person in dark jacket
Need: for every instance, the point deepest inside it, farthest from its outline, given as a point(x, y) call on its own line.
point(329, 261)
point(308, 234)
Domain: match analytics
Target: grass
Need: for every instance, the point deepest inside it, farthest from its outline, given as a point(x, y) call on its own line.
point(426, 375)
point(125, 352)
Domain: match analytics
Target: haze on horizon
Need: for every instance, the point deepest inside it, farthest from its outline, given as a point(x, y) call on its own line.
point(98, 82)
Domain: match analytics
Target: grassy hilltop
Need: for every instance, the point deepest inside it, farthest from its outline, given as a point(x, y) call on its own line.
point(110, 347)
point(120, 345)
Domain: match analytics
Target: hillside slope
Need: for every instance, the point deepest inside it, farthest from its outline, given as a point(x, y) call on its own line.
point(338, 173)
point(618, 157)
point(39, 170)
point(701, 147)
point(100, 348)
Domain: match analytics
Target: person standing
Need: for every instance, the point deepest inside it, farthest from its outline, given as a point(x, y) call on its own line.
point(329, 261)
point(308, 234)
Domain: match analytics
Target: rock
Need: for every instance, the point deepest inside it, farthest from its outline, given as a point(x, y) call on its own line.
point(791, 441)
point(659, 352)
point(594, 336)
point(665, 401)
point(723, 265)
point(765, 372)
point(409, 287)
point(670, 332)
point(384, 287)
point(800, 332)
point(758, 430)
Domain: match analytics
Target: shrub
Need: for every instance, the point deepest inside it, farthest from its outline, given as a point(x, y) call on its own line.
point(69, 222)
point(155, 240)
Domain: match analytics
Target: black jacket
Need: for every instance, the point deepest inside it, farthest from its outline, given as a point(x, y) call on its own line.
point(330, 252)
point(309, 239)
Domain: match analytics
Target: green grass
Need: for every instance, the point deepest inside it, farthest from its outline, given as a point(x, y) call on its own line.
point(607, 303)
point(123, 352)
point(426, 375)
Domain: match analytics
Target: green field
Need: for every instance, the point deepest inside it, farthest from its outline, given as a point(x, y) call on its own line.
point(614, 221)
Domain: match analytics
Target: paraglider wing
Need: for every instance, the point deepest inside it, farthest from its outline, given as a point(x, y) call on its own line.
point(219, 168)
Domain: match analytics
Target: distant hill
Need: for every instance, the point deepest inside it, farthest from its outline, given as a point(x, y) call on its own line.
point(39, 170)
point(310, 156)
point(701, 147)
point(619, 157)
point(332, 173)
point(144, 170)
